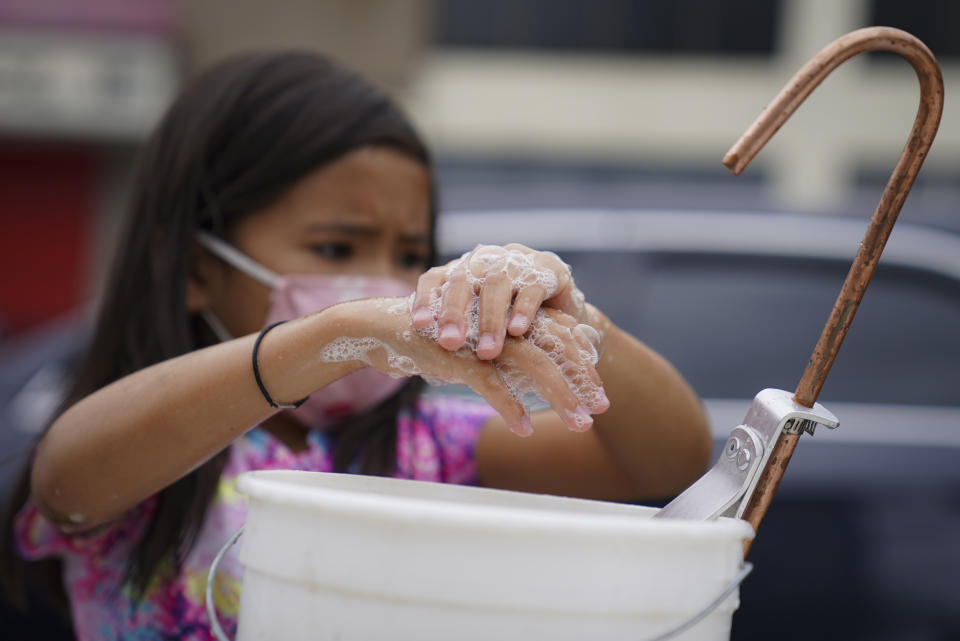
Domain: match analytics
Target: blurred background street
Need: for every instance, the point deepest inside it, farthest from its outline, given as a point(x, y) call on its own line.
point(562, 103)
point(616, 112)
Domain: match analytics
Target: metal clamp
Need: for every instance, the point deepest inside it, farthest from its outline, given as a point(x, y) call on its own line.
point(725, 490)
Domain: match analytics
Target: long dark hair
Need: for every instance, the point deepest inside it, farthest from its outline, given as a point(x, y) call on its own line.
point(238, 136)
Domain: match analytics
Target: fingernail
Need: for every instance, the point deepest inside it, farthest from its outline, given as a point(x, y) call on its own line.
point(518, 323)
point(580, 420)
point(524, 428)
point(602, 400)
point(450, 332)
point(422, 316)
point(486, 343)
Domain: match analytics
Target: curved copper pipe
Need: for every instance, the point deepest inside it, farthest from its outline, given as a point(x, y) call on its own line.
point(901, 180)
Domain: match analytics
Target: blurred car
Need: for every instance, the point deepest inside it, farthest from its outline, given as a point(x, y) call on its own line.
point(862, 534)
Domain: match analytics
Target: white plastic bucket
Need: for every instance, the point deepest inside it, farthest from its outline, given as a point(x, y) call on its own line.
point(335, 556)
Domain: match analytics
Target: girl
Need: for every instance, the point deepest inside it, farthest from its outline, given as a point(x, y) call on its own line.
point(277, 185)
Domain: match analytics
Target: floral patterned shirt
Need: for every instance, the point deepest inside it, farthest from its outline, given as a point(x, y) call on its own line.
point(434, 443)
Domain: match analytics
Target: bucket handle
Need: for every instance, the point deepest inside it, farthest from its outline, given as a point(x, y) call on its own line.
point(218, 632)
point(215, 626)
point(745, 569)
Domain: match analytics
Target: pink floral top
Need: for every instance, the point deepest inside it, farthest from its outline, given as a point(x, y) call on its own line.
point(436, 443)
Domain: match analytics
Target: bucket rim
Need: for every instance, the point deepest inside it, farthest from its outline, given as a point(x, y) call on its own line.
point(356, 496)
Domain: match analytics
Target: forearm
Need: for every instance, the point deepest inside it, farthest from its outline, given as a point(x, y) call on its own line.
point(655, 430)
point(136, 436)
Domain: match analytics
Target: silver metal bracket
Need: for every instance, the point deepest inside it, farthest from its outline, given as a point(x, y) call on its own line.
point(726, 488)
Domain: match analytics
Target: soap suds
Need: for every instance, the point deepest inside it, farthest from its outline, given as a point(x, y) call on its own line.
point(344, 349)
point(573, 350)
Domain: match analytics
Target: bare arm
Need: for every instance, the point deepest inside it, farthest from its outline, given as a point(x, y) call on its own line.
point(134, 437)
point(656, 430)
point(651, 443)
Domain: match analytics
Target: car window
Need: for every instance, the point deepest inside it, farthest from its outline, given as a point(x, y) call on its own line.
point(735, 324)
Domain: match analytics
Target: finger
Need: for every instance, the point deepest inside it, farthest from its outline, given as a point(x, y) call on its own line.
point(589, 387)
point(566, 297)
point(487, 383)
point(494, 306)
point(549, 382)
point(590, 334)
point(568, 344)
point(451, 321)
point(425, 357)
point(486, 259)
point(549, 316)
point(569, 300)
point(428, 287)
point(587, 352)
point(590, 339)
point(577, 364)
point(525, 306)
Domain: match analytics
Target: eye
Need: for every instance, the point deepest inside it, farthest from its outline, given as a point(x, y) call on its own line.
point(412, 259)
point(333, 250)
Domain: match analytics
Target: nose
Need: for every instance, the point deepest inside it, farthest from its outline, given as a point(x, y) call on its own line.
point(382, 262)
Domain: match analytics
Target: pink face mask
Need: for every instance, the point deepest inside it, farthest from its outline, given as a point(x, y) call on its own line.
point(297, 295)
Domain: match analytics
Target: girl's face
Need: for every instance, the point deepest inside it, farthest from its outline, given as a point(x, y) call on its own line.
point(367, 213)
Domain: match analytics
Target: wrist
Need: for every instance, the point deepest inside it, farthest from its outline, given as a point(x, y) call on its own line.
point(290, 361)
point(380, 318)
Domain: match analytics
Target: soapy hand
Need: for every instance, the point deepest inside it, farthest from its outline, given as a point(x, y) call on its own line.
point(554, 361)
point(490, 292)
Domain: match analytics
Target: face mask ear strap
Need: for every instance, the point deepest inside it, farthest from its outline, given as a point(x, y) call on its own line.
point(216, 326)
point(235, 258)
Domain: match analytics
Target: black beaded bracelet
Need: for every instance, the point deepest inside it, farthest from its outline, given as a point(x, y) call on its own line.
point(256, 373)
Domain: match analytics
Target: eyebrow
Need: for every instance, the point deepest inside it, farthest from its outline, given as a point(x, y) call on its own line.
point(354, 229)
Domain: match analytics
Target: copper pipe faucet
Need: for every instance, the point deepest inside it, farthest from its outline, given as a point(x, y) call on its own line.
point(901, 180)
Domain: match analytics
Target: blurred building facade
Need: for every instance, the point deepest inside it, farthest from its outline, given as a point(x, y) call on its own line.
point(80, 86)
point(658, 110)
